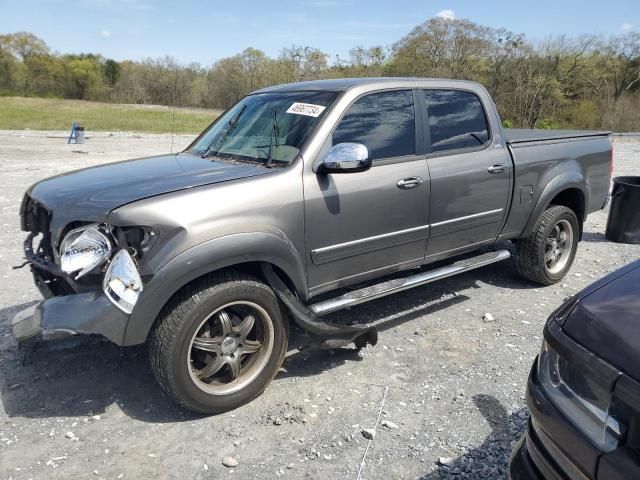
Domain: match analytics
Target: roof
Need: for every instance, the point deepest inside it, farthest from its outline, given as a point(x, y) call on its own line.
point(341, 84)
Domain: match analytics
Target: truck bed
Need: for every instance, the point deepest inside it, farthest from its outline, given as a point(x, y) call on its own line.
point(540, 157)
point(525, 135)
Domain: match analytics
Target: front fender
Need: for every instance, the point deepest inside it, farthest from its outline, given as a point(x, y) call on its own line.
point(208, 257)
point(573, 179)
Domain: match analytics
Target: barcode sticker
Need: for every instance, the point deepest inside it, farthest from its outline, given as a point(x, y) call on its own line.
point(308, 109)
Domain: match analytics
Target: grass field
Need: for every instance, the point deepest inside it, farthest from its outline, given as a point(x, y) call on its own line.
point(18, 113)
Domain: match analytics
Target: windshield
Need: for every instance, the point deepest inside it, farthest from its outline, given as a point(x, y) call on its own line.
point(269, 127)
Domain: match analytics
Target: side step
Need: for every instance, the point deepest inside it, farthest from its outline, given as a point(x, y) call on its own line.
point(372, 292)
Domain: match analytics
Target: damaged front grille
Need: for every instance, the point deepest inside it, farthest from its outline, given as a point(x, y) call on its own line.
point(33, 216)
point(39, 251)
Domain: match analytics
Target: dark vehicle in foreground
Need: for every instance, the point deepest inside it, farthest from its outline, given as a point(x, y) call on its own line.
point(584, 388)
point(300, 200)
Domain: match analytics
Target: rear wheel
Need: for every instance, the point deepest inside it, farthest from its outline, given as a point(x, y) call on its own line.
point(219, 342)
point(547, 254)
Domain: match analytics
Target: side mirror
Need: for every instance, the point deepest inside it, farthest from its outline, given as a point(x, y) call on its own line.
point(346, 158)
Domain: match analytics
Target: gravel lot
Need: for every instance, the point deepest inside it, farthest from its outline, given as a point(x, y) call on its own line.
point(447, 386)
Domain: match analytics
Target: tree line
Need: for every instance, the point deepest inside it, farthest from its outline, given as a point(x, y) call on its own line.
point(564, 82)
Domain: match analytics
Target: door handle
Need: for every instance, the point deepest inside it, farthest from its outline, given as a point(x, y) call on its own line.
point(411, 182)
point(498, 168)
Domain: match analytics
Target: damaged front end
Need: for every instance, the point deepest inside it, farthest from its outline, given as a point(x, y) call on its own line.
point(38, 250)
point(88, 275)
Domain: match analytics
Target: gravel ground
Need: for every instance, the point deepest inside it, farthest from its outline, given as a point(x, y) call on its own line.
point(446, 386)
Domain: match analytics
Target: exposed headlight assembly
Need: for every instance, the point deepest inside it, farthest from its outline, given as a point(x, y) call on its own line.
point(588, 406)
point(84, 249)
point(122, 283)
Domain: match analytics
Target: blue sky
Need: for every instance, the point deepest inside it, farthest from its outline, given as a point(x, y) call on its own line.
point(206, 31)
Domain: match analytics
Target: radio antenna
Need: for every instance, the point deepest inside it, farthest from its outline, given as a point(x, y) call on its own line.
point(173, 113)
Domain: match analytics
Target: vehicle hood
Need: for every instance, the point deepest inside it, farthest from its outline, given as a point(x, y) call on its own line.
point(606, 321)
point(91, 193)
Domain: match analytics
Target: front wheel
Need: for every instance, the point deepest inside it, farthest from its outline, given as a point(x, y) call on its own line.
point(219, 342)
point(547, 254)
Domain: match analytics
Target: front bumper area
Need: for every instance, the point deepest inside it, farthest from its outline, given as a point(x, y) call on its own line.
point(522, 466)
point(531, 461)
point(538, 456)
point(84, 313)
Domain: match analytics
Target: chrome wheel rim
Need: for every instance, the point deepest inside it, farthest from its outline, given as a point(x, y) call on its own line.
point(558, 247)
point(230, 348)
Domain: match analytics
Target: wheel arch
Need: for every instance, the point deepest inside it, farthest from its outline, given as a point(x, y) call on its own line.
point(567, 190)
point(572, 198)
point(247, 252)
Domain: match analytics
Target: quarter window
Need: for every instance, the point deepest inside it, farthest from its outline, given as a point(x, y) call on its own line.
point(456, 120)
point(384, 122)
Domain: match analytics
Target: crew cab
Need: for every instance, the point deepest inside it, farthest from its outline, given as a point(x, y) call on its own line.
point(299, 200)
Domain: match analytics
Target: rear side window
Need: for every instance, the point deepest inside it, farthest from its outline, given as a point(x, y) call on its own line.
point(456, 120)
point(383, 122)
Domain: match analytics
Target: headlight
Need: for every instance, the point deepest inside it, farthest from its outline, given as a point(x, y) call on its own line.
point(83, 250)
point(122, 283)
point(586, 404)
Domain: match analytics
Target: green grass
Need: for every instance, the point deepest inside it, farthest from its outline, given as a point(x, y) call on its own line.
point(18, 113)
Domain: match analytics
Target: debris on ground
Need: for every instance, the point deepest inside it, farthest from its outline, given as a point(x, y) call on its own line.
point(368, 433)
point(229, 462)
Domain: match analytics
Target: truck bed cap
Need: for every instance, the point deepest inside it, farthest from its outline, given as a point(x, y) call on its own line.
point(523, 135)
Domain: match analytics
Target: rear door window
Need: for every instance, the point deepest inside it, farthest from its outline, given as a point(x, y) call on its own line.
point(456, 120)
point(384, 122)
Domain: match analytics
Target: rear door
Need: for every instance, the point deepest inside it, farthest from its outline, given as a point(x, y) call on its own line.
point(361, 225)
point(470, 173)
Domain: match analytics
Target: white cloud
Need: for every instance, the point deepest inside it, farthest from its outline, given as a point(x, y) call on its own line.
point(105, 33)
point(627, 27)
point(447, 14)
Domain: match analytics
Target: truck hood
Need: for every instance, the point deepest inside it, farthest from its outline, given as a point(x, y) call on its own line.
point(91, 193)
point(605, 319)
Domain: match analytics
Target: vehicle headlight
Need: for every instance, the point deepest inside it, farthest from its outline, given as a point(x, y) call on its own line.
point(586, 404)
point(82, 250)
point(122, 283)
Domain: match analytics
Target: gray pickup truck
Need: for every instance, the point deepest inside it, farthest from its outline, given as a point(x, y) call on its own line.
point(300, 200)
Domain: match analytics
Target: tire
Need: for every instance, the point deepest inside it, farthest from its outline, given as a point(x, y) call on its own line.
point(206, 326)
point(532, 253)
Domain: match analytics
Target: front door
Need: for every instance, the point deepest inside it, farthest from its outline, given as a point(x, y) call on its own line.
point(470, 173)
point(360, 225)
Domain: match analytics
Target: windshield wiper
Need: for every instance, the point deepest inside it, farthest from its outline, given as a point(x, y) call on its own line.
point(232, 126)
point(275, 132)
point(477, 137)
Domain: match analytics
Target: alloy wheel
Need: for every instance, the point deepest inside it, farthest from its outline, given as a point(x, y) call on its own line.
point(230, 348)
point(558, 246)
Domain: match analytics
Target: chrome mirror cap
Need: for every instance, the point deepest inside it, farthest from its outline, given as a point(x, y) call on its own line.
point(346, 157)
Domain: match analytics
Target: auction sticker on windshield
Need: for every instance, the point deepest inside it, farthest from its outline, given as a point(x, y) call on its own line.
point(308, 109)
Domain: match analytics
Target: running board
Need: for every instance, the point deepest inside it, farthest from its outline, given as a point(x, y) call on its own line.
point(372, 292)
